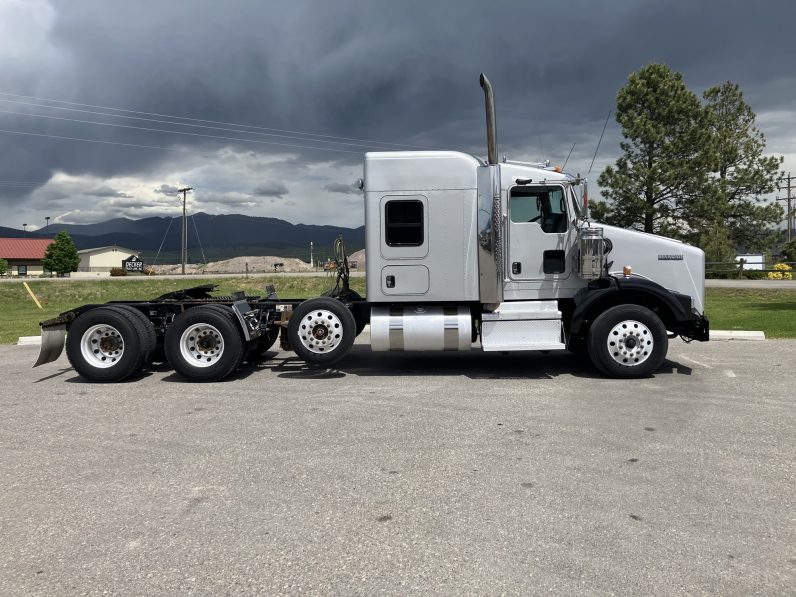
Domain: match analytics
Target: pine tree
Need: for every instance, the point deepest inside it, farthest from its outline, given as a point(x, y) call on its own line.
point(732, 196)
point(61, 255)
point(664, 130)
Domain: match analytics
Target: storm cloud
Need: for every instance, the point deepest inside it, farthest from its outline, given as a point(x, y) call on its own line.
point(293, 94)
point(272, 189)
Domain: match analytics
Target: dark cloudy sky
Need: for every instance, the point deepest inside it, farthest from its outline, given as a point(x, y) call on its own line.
point(365, 75)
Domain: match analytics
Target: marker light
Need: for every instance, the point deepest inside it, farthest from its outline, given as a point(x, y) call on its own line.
point(627, 271)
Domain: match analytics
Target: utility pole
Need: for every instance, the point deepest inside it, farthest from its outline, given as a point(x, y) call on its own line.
point(789, 199)
point(312, 263)
point(184, 244)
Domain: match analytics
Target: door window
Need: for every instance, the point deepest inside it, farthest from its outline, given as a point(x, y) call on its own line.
point(545, 205)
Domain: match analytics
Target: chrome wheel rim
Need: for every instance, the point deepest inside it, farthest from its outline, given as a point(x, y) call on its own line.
point(630, 343)
point(320, 331)
point(102, 346)
point(201, 345)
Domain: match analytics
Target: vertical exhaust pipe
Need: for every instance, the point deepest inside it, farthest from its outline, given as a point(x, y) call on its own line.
point(491, 129)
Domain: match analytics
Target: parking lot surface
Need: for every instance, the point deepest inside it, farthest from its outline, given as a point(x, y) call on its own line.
point(404, 474)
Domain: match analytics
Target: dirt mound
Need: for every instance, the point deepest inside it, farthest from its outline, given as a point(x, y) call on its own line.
point(259, 265)
point(237, 265)
point(359, 257)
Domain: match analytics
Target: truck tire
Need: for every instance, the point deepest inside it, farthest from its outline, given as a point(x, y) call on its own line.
point(321, 330)
point(204, 344)
point(150, 338)
point(107, 344)
point(628, 341)
point(360, 318)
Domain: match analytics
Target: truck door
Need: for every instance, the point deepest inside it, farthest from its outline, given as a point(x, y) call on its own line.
point(538, 232)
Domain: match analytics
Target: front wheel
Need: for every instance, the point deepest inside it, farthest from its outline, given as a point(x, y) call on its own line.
point(321, 330)
point(204, 344)
point(628, 341)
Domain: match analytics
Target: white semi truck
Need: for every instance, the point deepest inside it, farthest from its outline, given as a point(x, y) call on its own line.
point(462, 254)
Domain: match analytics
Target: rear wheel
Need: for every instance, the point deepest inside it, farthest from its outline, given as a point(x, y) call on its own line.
point(107, 344)
point(321, 330)
point(204, 344)
point(150, 338)
point(628, 341)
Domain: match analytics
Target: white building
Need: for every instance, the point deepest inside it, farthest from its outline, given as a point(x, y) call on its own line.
point(102, 259)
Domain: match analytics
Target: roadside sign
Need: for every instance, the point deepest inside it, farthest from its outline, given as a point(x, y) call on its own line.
point(133, 264)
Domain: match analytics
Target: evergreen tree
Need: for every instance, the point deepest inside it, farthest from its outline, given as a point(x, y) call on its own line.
point(662, 165)
point(789, 250)
point(739, 174)
point(61, 255)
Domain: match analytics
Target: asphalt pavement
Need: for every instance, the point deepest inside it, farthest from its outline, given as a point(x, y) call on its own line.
point(404, 474)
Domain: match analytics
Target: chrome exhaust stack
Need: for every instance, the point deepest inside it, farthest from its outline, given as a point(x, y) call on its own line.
point(490, 223)
point(491, 127)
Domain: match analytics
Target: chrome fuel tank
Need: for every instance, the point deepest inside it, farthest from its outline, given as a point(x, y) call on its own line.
point(420, 327)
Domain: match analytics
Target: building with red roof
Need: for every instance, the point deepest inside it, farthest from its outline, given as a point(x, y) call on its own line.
point(24, 255)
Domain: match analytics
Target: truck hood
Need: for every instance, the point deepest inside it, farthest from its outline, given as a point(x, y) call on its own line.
point(671, 263)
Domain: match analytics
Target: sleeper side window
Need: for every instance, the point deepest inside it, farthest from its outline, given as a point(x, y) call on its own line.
point(403, 223)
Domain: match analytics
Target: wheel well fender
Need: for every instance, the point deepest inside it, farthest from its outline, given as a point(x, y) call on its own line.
point(590, 302)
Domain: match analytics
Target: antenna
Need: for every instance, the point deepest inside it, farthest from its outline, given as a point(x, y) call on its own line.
point(600, 141)
point(569, 154)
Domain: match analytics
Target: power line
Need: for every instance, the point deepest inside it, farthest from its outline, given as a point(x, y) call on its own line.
point(92, 140)
point(198, 119)
point(201, 126)
point(154, 130)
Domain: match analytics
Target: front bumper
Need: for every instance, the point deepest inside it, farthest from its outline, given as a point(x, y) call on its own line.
point(697, 328)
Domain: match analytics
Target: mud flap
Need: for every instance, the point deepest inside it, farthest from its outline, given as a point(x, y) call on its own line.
point(52, 344)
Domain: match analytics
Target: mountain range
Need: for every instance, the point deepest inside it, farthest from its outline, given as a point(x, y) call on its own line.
point(210, 237)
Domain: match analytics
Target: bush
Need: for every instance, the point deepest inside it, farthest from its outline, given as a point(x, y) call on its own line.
point(783, 272)
point(118, 271)
point(150, 271)
point(753, 274)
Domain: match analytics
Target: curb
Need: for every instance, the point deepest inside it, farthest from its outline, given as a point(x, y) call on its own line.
point(736, 335)
point(29, 340)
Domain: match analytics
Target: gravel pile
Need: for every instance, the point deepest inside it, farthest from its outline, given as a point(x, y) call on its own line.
point(237, 265)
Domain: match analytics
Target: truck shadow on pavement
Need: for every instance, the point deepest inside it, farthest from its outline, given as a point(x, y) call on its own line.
point(361, 361)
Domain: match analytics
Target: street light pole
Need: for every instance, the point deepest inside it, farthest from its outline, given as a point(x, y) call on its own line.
point(184, 244)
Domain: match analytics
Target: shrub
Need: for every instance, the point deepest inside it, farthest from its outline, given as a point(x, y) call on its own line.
point(118, 271)
point(783, 272)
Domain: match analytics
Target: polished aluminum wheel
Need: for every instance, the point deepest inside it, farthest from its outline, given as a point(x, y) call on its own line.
point(102, 346)
point(630, 343)
point(321, 331)
point(201, 345)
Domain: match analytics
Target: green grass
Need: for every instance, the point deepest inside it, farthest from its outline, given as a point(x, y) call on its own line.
point(771, 310)
point(19, 315)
